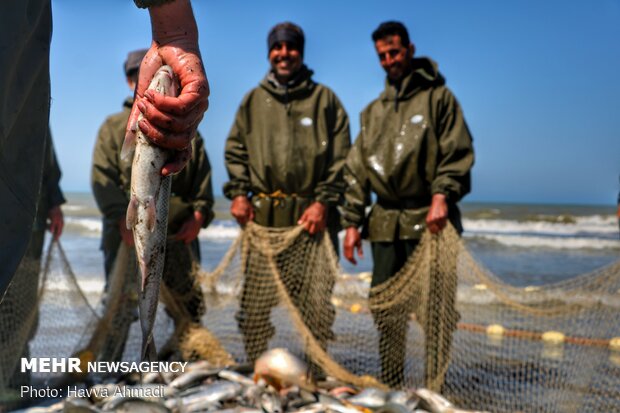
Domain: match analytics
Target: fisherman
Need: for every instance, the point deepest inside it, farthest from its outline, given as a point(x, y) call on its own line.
point(414, 152)
point(26, 32)
point(21, 322)
point(190, 209)
point(284, 157)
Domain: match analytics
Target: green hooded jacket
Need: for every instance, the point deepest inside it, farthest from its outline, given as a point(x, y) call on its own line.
point(111, 177)
point(287, 148)
point(413, 143)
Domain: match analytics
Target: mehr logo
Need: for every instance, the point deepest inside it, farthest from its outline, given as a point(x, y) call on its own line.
point(307, 122)
point(51, 365)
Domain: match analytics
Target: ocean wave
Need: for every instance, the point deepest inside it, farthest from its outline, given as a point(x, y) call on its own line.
point(594, 232)
point(552, 242)
point(594, 224)
point(220, 230)
point(84, 226)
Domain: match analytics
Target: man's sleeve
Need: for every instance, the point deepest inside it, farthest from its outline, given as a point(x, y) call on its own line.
point(201, 193)
point(331, 188)
point(357, 189)
point(106, 176)
point(456, 152)
point(53, 174)
point(143, 4)
point(236, 157)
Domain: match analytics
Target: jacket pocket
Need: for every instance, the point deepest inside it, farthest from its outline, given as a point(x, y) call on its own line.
point(382, 224)
point(412, 223)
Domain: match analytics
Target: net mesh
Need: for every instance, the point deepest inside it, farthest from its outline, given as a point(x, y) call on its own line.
point(443, 322)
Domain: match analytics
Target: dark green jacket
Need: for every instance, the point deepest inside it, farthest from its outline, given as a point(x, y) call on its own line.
point(413, 143)
point(292, 139)
point(111, 176)
point(51, 195)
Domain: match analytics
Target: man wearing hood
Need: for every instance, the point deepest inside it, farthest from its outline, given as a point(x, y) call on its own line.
point(284, 157)
point(414, 152)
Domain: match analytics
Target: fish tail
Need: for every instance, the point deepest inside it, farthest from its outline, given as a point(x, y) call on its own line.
point(148, 348)
point(143, 272)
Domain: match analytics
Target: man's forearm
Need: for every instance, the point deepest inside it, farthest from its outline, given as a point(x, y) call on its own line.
point(173, 20)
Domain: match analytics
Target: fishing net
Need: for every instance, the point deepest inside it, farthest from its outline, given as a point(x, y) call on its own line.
point(443, 322)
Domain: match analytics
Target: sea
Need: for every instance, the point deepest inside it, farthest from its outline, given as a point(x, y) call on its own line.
point(521, 244)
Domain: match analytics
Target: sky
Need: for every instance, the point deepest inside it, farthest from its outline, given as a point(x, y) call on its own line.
point(537, 80)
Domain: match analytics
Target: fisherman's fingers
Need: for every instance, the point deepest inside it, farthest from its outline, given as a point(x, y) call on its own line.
point(169, 121)
point(349, 254)
point(187, 66)
point(165, 139)
point(192, 96)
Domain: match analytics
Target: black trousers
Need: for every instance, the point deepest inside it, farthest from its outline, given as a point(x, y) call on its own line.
point(441, 316)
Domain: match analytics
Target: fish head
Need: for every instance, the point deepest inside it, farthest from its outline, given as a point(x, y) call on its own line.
point(280, 369)
point(165, 81)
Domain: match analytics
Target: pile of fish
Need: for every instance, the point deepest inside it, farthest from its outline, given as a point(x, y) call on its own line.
point(278, 385)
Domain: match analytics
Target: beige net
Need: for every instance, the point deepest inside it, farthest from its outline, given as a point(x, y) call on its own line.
point(443, 322)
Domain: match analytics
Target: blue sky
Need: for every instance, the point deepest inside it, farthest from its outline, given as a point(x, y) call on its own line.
point(537, 80)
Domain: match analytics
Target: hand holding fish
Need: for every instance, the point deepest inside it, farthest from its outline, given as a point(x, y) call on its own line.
point(171, 121)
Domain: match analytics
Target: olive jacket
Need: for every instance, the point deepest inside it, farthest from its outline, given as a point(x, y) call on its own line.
point(287, 148)
point(51, 195)
point(413, 143)
point(111, 177)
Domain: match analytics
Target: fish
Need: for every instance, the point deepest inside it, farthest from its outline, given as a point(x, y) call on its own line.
point(280, 369)
point(147, 213)
point(436, 403)
point(190, 378)
point(370, 397)
point(235, 377)
point(205, 397)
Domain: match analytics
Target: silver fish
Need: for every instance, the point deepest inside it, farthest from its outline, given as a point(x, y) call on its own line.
point(147, 213)
point(236, 377)
point(188, 379)
point(205, 396)
point(436, 403)
point(370, 397)
point(136, 405)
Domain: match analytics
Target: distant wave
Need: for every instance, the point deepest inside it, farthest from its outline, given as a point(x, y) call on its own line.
point(594, 224)
point(531, 241)
point(218, 230)
point(588, 232)
point(84, 226)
